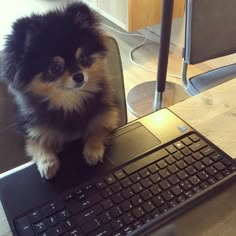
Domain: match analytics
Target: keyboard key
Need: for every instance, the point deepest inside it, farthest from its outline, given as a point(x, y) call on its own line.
point(199, 165)
point(56, 231)
point(191, 170)
point(52, 208)
point(173, 169)
point(138, 212)
point(197, 156)
point(110, 179)
point(128, 218)
point(146, 195)
point(100, 184)
point(64, 214)
point(144, 172)
point(117, 224)
point(164, 173)
point(68, 224)
point(179, 145)
point(75, 232)
point(203, 175)
point(158, 201)
point(177, 190)
point(167, 195)
point(116, 187)
point(82, 205)
point(35, 217)
point(155, 189)
point(171, 149)
point(117, 198)
point(207, 161)
point(146, 219)
point(24, 227)
point(182, 174)
point(137, 224)
point(178, 156)
point(116, 211)
point(161, 164)
point(187, 141)
point(164, 184)
point(104, 230)
point(207, 151)
point(197, 146)
point(126, 206)
point(137, 188)
point(120, 174)
point(148, 207)
point(155, 178)
point(135, 177)
point(90, 226)
point(128, 230)
point(189, 160)
point(173, 179)
point(136, 200)
point(215, 156)
point(88, 214)
point(135, 166)
point(153, 168)
point(227, 162)
point(194, 180)
point(126, 182)
point(40, 227)
point(186, 151)
point(107, 204)
point(105, 217)
point(127, 193)
point(194, 137)
point(106, 193)
point(211, 180)
point(219, 166)
point(186, 185)
point(146, 183)
point(170, 160)
point(52, 221)
point(189, 194)
point(181, 164)
point(164, 208)
point(219, 176)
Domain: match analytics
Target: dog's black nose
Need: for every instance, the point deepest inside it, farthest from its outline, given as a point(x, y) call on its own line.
point(78, 77)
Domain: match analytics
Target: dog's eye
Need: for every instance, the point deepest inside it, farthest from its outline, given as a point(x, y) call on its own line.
point(57, 69)
point(84, 61)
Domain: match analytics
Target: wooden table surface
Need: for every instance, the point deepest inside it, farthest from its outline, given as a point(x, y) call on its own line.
point(213, 113)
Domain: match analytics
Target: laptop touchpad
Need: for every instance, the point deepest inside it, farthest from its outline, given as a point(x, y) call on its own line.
point(130, 142)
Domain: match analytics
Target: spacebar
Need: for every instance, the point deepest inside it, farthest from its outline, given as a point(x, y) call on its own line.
point(147, 160)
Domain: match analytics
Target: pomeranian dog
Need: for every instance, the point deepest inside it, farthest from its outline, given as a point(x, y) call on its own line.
point(54, 65)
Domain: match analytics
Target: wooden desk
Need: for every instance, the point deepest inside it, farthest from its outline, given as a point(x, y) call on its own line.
point(213, 113)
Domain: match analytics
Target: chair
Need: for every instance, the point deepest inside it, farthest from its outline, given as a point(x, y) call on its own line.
point(116, 72)
point(210, 33)
point(12, 152)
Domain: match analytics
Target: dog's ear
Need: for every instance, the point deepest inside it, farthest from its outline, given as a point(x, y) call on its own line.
point(24, 35)
point(82, 15)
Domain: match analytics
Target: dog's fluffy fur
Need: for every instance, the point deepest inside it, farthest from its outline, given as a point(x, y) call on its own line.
point(54, 65)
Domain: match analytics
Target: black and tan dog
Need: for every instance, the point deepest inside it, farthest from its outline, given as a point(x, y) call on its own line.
point(54, 65)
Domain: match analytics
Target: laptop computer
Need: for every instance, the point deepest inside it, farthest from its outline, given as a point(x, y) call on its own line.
point(156, 167)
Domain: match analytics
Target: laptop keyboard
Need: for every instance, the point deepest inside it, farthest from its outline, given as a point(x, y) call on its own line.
point(145, 191)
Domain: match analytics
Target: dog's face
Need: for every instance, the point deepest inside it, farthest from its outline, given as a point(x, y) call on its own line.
point(57, 57)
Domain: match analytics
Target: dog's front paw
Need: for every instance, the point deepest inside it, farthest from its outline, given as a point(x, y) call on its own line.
point(93, 153)
point(48, 167)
